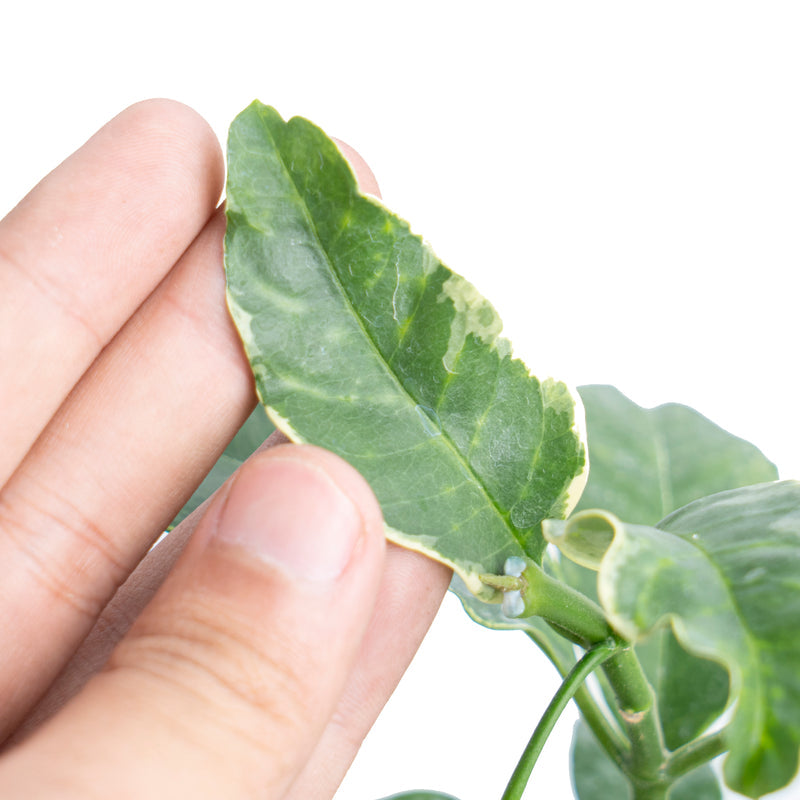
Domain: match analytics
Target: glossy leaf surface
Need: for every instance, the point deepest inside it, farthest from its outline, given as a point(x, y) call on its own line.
point(724, 571)
point(362, 342)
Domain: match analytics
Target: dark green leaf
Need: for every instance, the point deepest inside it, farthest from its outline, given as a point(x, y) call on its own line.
point(595, 777)
point(362, 342)
point(251, 435)
point(691, 692)
point(647, 462)
point(724, 571)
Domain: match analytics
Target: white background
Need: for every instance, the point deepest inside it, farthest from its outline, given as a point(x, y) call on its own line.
point(622, 179)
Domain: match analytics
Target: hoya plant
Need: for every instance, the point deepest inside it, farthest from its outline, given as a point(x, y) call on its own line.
point(670, 570)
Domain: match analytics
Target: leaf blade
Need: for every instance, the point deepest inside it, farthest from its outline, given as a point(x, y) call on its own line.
point(724, 571)
point(648, 462)
point(596, 777)
point(361, 341)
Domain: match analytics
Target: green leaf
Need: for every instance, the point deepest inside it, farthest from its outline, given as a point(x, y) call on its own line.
point(250, 436)
point(595, 777)
point(691, 692)
point(647, 462)
point(724, 571)
point(362, 342)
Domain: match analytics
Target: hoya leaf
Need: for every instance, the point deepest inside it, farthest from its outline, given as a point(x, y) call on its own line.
point(362, 342)
point(647, 462)
point(691, 692)
point(596, 777)
point(723, 571)
point(251, 435)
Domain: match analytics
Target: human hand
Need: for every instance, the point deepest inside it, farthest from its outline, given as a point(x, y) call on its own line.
point(255, 665)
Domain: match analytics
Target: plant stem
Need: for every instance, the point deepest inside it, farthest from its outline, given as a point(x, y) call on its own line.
point(639, 711)
point(654, 791)
point(503, 582)
point(695, 753)
point(571, 613)
point(609, 738)
point(570, 685)
point(606, 732)
point(582, 621)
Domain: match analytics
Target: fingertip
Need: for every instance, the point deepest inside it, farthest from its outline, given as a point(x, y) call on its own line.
point(175, 137)
point(232, 672)
point(367, 181)
point(302, 510)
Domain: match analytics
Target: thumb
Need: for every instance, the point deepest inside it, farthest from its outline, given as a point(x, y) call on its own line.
point(226, 681)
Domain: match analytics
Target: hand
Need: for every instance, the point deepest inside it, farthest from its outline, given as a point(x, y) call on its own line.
point(252, 662)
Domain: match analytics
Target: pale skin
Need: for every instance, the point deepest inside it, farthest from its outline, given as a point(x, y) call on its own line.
point(248, 655)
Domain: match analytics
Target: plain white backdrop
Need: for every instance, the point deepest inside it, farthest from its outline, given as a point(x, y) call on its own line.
point(621, 179)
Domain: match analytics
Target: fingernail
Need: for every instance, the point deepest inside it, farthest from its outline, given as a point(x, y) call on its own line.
point(290, 513)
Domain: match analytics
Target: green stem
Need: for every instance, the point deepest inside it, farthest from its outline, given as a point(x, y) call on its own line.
point(639, 711)
point(571, 613)
point(605, 731)
point(503, 582)
point(609, 738)
point(582, 621)
point(570, 685)
point(696, 753)
point(655, 791)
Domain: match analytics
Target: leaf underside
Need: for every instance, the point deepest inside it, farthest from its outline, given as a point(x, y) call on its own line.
point(362, 342)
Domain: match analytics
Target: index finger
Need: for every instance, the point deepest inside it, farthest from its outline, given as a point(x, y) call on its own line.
point(82, 251)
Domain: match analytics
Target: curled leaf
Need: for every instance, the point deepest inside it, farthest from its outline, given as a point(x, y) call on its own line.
point(723, 571)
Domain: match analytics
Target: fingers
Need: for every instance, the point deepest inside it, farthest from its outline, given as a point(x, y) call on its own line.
point(86, 247)
point(119, 615)
point(229, 677)
point(125, 449)
point(367, 182)
point(409, 597)
point(119, 458)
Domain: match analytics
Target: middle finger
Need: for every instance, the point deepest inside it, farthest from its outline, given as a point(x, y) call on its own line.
point(115, 464)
